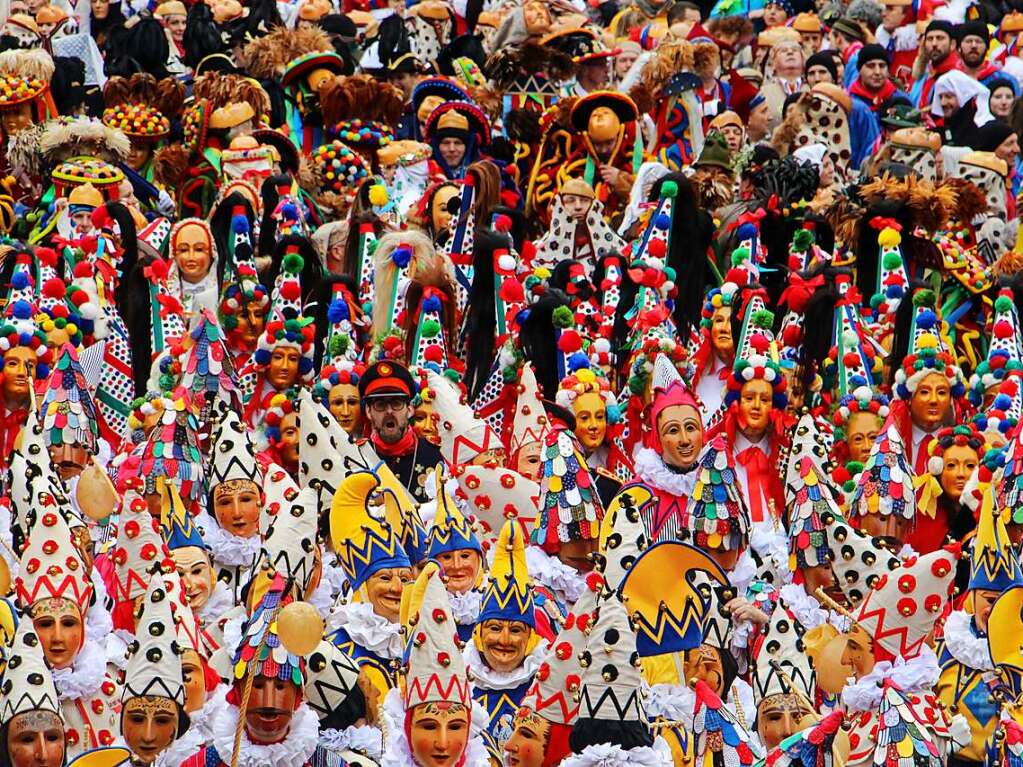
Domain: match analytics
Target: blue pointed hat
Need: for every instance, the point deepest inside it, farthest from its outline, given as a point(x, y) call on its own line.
point(508, 596)
point(451, 530)
point(993, 562)
point(176, 524)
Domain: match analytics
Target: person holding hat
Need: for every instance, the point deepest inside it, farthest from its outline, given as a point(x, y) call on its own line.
point(386, 391)
point(940, 58)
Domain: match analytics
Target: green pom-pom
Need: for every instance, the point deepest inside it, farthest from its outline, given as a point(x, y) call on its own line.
point(293, 263)
point(510, 375)
point(1003, 304)
point(876, 300)
point(891, 260)
point(763, 318)
point(637, 385)
point(669, 189)
point(741, 365)
point(669, 273)
point(740, 256)
point(923, 298)
point(293, 325)
point(452, 375)
point(854, 467)
point(803, 240)
point(430, 329)
point(563, 317)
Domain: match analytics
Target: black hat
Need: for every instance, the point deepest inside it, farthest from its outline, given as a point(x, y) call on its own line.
point(939, 25)
point(872, 52)
point(387, 379)
point(823, 59)
point(973, 29)
point(988, 137)
point(848, 28)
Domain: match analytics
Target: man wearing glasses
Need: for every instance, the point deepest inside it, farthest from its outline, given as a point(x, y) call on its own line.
point(386, 391)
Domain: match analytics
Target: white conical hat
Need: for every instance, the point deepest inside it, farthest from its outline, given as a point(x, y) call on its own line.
point(782, 649)
point(463, 436)
point(139, 549)
point(154, 662)
point(495, 493)
point(330, 677)
point(289, 544)
point(51, 566)
point(326, 452)
point(612, 679)
point(531, 419)
point(622, 539)
point(28, 683)
point(436, 671)
point(234, 455)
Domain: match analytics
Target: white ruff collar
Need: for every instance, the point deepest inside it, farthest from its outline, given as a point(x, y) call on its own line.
point(671, 701)
point(364, 739)
point(227, 549)
point(398, 753)
point(465, 608)
point(964, 645)
point(915, 675)
point(369, 630)
point(294, 751)
point(485, 678)
point(608, 755)
point(567, 582)
point(742, 575)
point(115, 647)
point(82, 680)
point(221, 600)
point(652, 469)
point(806, 609)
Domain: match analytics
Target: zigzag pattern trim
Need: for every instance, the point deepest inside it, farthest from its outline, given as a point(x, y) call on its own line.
point(433, 689)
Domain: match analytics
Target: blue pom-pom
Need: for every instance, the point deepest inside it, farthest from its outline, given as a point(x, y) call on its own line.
point(431, 304)
point(304, 365)
point(614, 413)
point(857, 380)
point(239, 224)
point(894, 291)
point(902, 392)
point(338, 311)
point(262, 356)
point(926, 319)
point(401, 257)
point(780, 401)
point(19, 280)
point(746, 232)
point(663, 221)
point(42, 372)
point(1002, 402)
point(289, 211)
point(22, 310)
point(578, 361)
point(958, 390)
point(25, 339)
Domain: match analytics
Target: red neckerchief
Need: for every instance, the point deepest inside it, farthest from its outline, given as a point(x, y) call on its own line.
point(399, 448)
point(876, 98)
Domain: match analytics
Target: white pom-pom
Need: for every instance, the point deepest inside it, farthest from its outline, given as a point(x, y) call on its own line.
point(602, 346)
point(935, 465)
point(883, 412)
point(862, 392)
point(747, 373)
point(770, 375)
point(506, 263)
point(850, 338)
point(89, 310)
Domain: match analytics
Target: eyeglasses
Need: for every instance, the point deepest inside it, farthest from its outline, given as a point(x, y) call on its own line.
point(394, 404)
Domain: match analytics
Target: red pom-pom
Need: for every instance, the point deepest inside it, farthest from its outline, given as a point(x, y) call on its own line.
point(433, 354)
point(158, 270)
point(570, 342)
point(791, 334)
point(512, 292)
point(656, 248)
point(47, 256)
point(83, 269)
point(1002, 329)
point(291, 290)
point(503, 223)
point(101, 218)
point(54, 288)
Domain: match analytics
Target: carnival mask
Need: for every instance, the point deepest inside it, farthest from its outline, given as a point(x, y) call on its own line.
point(193, 252)
point(929, 408)
point(193, 565)
point(755, 408)
point(860, 433)
point(282, 371)
point(236, 506)
point(439, 733)
point(504, 644)
point(590, 420)
point(343, 402)
point(149, 724)
point(461, 568)
point(680, 431)
point(36, 739)
point(61, 631)
point(959, 464)
point(527, 461)
point(424, 422)
point(780, 716)
point(384, 588)
point(19, 374)
point(528, 743)
point(271, 706)
point(194, 680)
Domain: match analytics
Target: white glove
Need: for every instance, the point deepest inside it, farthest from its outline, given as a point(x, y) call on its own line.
point(165, 204)
point(960, 731)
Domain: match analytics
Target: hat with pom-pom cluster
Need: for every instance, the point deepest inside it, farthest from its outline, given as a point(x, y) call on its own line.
point(892, 278)
point(19, 327)
point(569, 509)
point(1004, 352)
point(366, 134)
point(961, 435)
point(435, 669)
point(59, 319)
point(244, 286)
point(886, 484)
point(754, 359)
point(286, 326)
point(428, 348)
point(69, 413)
point(649, 253)
point(717, 517)
point(1005, 409)
point(927, 353)
point(137, 121)
point(584, 379)
point(339, 167)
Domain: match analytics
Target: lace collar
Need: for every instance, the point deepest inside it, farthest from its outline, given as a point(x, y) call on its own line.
point(398, 753)
point(915, 675)
point(369, 630)
point(227, 549)
point(199, 734)
point(610, 755)
point(566, 582)
point(221, 600)
point(364, 739)
point(742, 575)
point(806, 609)
point(652, 469)
point(486, 678)
point(465, 608)
point(295, 750)
point(963, 643)
point(82, 680)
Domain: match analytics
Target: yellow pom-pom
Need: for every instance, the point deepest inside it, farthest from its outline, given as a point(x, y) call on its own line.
point(585, 376)
point(542, 272)
point(889, 238)
point(926, 341)
point(378, 195)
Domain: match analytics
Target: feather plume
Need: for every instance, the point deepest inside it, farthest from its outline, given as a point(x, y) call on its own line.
point(266, 57)
point(970, 200)
point(170, 165)
point(35, 63)
point(82, 136)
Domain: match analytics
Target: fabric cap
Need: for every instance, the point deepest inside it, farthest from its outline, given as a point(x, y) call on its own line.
point(849, 29)
point(974, 28)
point(988, 137)
point(939, 25)
point(387, 379)
point(872, 52)
point(826, 60)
